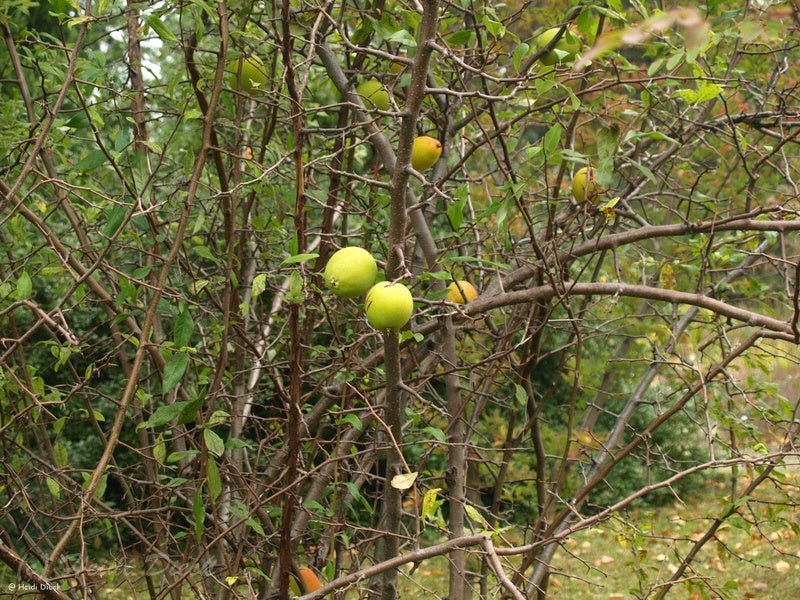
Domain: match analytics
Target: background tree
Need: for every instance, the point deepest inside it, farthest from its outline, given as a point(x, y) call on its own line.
point(181, 396)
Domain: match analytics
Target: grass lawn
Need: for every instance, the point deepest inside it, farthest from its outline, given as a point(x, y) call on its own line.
point(618, 561)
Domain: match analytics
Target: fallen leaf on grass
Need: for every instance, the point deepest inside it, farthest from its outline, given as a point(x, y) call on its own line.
point(672, 568)
point(716, 563)
point(603, 560)
point(782, 566)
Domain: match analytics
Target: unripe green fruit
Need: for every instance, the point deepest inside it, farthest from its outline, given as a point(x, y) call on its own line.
point(568, 43)
point(389, 305)
point(584, 187)
point(425, 153)
point(350, 272)
point(248, 74)
point(374, 94)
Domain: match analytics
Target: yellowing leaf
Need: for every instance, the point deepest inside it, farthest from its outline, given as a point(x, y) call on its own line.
point(667, 277)
point(431, 503)
point(474, 515)
point(608, 208)
point(404, 480)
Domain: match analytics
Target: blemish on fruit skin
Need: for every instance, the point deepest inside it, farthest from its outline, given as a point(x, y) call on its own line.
point(350, 272)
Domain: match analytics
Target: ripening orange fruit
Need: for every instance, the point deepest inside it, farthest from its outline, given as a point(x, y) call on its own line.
point(462, 292)
point(310, 581)
point(425, 152)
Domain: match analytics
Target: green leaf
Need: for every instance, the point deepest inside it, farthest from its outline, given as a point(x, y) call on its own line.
point(355, 494)
point(495, 28)
point(611, 14)
point(463, 37)
point(205, 6)
point(160, 450)
point(161, 30)
point(607, 144)
point(53, 487)
point(59, 423)
point(255, 525)
point(199, 510)
point(520, 395)
point(435, 433)
point(217, 417)
point(214, 480)
point(295, 294)
point(587, 24)
point(60, 454)
point(190, 408)
point(299, 258)
point(183, 328)
point(259, 285)
point(655, 67)
point(60, 7)
point(100, 490)
point(704, 93)
point(164, 414)
point(353, 420)
point(644, 170)
point(173, 371)
point(315, 506)
point(116, 216)
point(617, 5)
point(552, 139)
point(141, 272)
point(411, 335)
point(404, 38)
point(652, 135)
point(234, 444)
point(708, 91)
point(214, 443)
point(204, 252)
point(455, 214)
point(174, 457)
point(78, 20)
point(674, 60)
point(91, 161)
point(520, 52)
point(24, 287)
